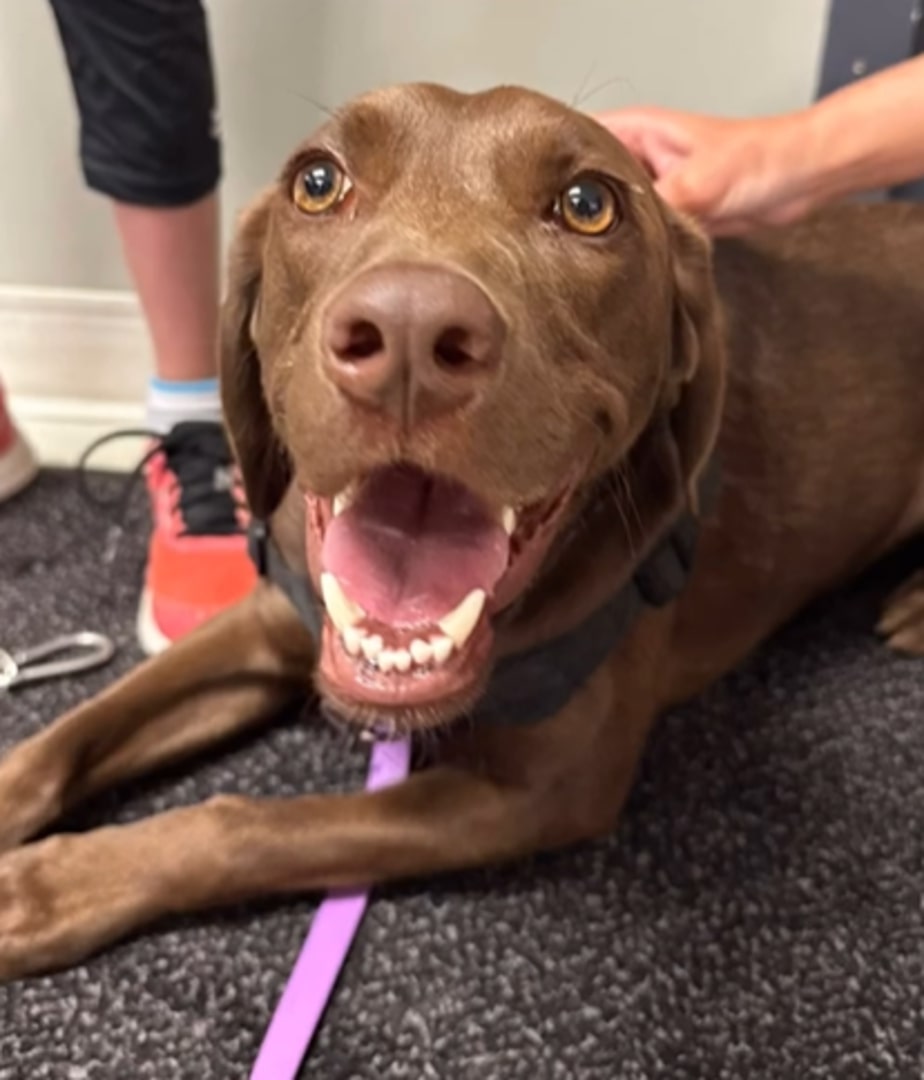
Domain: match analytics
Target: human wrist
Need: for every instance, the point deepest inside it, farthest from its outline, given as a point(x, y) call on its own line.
point(804, 152)
point(870, 134)
point(842, 143)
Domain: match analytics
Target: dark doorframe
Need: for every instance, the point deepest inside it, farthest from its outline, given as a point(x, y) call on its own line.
point(865, 36)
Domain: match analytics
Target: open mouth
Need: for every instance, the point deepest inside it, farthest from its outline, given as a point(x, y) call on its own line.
point(411, 567)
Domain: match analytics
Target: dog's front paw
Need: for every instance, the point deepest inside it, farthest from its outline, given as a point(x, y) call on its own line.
point(30, 796)
point(61, 900)
point(902, 622)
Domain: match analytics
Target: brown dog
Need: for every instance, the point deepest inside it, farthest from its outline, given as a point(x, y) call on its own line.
point(476, 375)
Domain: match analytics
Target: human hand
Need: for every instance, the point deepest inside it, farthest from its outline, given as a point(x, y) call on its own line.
point(732, 175)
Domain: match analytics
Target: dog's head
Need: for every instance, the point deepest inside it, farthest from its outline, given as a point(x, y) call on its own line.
point(447, 320)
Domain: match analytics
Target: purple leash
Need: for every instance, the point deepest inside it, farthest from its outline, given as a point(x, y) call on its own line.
point(324, 953)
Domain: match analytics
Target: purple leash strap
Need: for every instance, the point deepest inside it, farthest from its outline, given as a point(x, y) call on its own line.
point(324, 953)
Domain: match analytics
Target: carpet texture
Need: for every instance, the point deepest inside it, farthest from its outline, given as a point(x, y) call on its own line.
point(758, 914)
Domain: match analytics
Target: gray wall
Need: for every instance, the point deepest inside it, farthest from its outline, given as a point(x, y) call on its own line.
point(730, 56)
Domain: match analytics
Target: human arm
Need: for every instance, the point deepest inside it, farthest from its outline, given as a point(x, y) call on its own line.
point(735, 175)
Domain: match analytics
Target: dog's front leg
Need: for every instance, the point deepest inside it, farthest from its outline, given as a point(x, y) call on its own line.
point(499, 797)
point(231, 673)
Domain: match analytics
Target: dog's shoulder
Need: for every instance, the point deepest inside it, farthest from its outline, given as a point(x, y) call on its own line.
point(851, 271)
point(859, 240)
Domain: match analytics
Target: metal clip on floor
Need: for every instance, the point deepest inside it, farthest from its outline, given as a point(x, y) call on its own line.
point(68, 654)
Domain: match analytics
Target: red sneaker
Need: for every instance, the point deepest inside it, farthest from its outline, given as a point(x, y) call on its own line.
point(197, 559)
point(18, 465)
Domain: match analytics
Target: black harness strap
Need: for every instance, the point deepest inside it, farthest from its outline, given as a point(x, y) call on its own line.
point(271, 565)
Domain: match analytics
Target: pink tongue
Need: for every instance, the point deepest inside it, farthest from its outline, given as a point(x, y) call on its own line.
point(413, 546)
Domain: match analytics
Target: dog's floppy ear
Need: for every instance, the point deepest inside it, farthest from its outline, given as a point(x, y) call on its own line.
point(696, 382)
point(260, 455)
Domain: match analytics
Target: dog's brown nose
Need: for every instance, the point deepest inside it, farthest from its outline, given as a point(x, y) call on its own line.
point(413, 341)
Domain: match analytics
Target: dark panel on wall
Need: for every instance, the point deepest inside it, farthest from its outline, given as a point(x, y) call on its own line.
point(865, 36)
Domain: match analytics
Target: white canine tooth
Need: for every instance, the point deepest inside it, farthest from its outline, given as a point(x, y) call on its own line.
point(343, 612)
point(402, 659)
point(386, 660)
point(343, 501)
point(353, 639)
point(421, 651)
point(509, 520)
point(372, 646)
point(442, 647)
point(460, 623)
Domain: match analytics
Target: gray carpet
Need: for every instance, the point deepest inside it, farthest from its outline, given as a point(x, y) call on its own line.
point(759, 914)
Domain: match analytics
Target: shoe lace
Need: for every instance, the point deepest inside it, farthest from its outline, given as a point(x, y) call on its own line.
point(199, 457)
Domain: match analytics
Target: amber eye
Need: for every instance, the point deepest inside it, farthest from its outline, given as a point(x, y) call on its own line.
point(588, 206)
point(320, 186)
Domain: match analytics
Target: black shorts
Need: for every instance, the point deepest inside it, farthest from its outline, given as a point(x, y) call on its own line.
point(145, 89)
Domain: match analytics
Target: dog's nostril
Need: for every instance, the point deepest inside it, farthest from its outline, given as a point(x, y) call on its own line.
point(361, 340)
point(453, 348)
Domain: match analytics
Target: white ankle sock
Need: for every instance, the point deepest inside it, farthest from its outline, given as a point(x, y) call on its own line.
point(170, 401)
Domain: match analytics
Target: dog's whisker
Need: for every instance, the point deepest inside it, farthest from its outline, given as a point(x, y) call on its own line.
point(320, 106)
point(621, 510)
point(616, 80)
point(576, 99)
point(628, 494)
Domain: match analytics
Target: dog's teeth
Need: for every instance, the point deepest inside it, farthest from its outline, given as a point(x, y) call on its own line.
point(421, 651)
point(343, 501)
point(402, 660)
point(343, 612)
point(509, 520)
point(460, 623)
point(352, 640)
point(442, 648)
point(372, 647)
point(386, 660)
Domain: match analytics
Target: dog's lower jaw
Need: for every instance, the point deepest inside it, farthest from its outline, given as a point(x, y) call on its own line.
point(375, 718)
point(438, 692)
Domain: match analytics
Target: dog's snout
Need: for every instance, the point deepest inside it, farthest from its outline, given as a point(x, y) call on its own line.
point(413, 341)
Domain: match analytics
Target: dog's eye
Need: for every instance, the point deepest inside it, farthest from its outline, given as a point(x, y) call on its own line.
point(320, 186)
point(588, 206)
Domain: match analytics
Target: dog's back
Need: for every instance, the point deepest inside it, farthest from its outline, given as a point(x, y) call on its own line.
point(822, 445)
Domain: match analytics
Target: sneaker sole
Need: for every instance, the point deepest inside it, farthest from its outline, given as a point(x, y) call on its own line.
point(18, 468)
point(150, 636)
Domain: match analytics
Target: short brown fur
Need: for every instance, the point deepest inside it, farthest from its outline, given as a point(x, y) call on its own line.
point(797, 359)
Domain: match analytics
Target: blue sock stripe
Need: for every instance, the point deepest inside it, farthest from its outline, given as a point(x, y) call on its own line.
point(185, 386)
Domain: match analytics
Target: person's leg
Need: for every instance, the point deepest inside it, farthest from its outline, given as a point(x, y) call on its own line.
point(144, 85)
point(172, 254)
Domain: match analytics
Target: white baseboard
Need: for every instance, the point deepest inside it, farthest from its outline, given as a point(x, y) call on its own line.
point(75, 364)
point(60, 430)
